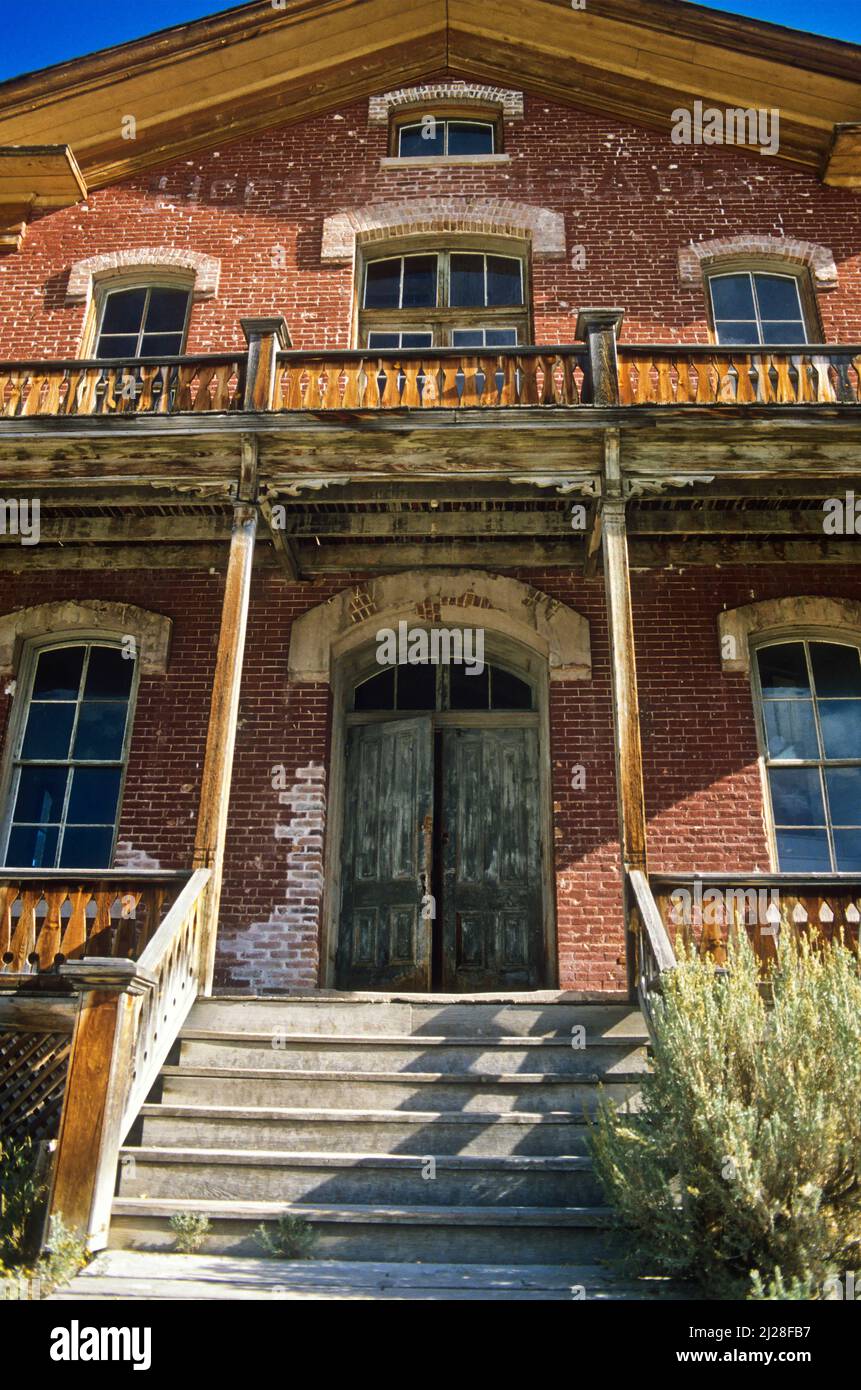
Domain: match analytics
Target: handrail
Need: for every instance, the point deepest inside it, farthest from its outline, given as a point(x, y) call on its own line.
point(655, 954)
point(129, 1017)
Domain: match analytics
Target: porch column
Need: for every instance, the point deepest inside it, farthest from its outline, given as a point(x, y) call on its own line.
point(598, 329)
point(221, 736)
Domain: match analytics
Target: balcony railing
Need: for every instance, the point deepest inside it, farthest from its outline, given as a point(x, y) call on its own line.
point(599, 373)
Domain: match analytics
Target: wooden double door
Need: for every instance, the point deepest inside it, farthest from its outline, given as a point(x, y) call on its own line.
point(441, 874)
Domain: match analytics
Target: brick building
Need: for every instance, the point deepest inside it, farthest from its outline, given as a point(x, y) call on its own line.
point(311, 334)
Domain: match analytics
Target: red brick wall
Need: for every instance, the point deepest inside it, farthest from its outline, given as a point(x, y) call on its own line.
point(630, 198)
point(702, 782)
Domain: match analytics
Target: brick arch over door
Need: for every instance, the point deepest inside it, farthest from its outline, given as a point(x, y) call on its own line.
point(445, 597)
point(543, 227)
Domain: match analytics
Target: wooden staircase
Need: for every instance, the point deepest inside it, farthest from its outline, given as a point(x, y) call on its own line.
point(403, 1130)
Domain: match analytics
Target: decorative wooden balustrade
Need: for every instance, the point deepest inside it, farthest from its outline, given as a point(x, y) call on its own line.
point(436, 379)
point(170, 386)
point(686, 375)
point(702, 909)
point(49, 916)
point(439, 378)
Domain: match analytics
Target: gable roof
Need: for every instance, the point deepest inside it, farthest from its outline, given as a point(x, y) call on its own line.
point(254, 67)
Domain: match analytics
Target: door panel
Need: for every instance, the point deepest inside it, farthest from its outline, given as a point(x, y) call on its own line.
point(383, 941)
point(491, 857)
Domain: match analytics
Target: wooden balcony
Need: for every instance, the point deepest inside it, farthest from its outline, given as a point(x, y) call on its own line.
point(561, 377)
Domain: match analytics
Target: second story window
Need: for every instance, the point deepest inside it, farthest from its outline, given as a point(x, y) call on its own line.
point(444, 298)
point(751, 307)
point(145, 321)
point(441, 137)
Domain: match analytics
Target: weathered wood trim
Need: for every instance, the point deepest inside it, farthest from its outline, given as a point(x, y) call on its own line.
point(221, 735)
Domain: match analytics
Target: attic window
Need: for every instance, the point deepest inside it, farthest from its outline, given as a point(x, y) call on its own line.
point(447, 133)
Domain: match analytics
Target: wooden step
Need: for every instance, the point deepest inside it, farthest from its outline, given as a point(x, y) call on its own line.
point(461, 1234)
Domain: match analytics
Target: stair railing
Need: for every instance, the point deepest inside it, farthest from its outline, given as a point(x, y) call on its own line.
point(129, 1016)
point(654, 950)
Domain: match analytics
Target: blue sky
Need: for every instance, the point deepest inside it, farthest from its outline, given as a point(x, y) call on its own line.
point(59, 30)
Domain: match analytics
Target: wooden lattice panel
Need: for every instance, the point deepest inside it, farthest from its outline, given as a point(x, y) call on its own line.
point(33, 1070)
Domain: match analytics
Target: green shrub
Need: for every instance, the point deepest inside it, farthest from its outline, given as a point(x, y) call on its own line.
point(64, 1255)
point(190, 1229)
point(288, 1238)
point(746, 1154)
point(23, 1190)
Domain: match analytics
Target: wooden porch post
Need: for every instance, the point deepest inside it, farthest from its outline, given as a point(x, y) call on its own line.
point(221, 736)
point(598, 329)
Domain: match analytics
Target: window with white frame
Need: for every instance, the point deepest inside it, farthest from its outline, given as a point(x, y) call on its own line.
point(757, 307)
point(809, 695)
point(459, 298)
point(142, 321)
point(69, 752)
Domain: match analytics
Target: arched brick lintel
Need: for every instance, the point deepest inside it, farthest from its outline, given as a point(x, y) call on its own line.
point(205, 269)
point(151, 631)
point(698, 256)
point(778, 617)
point(455, 598)
point(491, 216)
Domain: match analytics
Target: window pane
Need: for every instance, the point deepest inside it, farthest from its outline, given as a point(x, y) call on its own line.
point(109, 674)
point(41, 791)
point(733, 332)
point(503, 280)
point(467, 137)
point(417, 687)
point(732, 297)
point(796, 796)
point(844, 794)
point(166, 312)
point(803, 851)
point(378, 692)
point(94, 795)
point(420, 141)
point(783, 332)
point(32, 846)
point(382, 284)
point(469, 692)
point(88, 848)
point(501, 337)
point(841, 728)
point(790, 729)
point(783, 669)
point(836, 669)
point(382, 341)
point(467, 337)
point(49, 728)
point(123, 311)
point(161, 345)
point(117, 347)
point(508, 691)
point(416, 340)
point(466, 285)
point(419, 282)
point(777, 296)
point(58, 674)
point(847, 851)
point(100, 730)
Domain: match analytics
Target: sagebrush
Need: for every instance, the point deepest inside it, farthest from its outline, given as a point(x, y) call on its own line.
point(742, 1169)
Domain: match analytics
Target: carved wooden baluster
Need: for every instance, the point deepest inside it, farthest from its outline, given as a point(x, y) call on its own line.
point(350, 396)
point(665, 382)
point(221, 399)
point(7, 897)
point(410, 395)
point(785, 388)
point(74, 940)
point(645, 388)
point(126, 933)
point(145, 397)
point(298, 385)
point(744, 392)
point(445, 375)
point(626, 384)
point(48, 944)
point(705, 393)
point(528, 384)
point(24, 938)
point(726, 383)
point(429, 371)
point(101, 937)
point(505, 368)
point(684, 385)
point(387, 384)
point(185, 378)
point(470, 397)
point(33, 404)
point(202, 397)
point(805, 392)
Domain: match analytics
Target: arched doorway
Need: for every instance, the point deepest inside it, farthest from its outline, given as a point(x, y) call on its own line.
point(443, 839)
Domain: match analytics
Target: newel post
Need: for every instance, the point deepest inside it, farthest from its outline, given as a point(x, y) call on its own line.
point(599, 328)
point(97, 1085)
point(265, 338)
